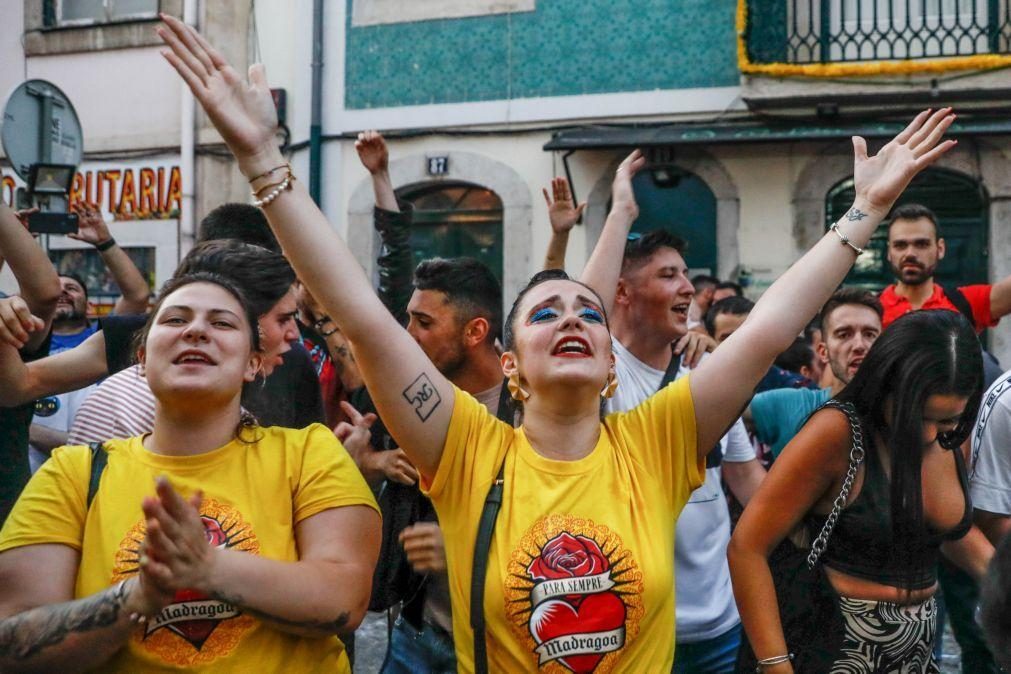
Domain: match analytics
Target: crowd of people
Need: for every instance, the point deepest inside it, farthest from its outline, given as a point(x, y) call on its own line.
point(636, 470)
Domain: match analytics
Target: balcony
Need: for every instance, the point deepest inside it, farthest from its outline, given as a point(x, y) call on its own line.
point(822, 54)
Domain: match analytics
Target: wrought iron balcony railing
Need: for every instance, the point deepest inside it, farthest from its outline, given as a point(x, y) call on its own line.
point(833, 31)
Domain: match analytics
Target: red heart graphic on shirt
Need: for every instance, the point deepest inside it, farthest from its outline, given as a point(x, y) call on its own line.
point(601, 612)
point(194, 631)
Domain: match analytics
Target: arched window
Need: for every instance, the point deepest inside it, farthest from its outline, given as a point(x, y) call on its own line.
point(961, 205)
point(680, 202)
point(456, 219)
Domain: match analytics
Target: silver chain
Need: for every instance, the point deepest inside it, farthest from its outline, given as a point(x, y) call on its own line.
point(856, 458)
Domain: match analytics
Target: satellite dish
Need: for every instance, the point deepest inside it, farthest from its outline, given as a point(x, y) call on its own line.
point(42, 138)
point(40, 126)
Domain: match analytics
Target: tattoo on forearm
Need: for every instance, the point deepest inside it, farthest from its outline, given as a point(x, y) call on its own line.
point(855, 214)
point(423, 395)
point(334, 626)
point(25, 635)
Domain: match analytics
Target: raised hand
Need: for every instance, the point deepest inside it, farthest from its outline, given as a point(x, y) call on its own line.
point(91, 227)
point(622, 195)
point(879, 180)
point(177, 555)
point(17, 321)
point(371, 149)
point(562, 210)
point(244, 114)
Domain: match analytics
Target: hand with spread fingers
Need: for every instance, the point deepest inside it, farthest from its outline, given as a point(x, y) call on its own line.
point(91, 227)
point(242, 112)
point(424, 546)
point(879, 180)
point(562, 210)
point(17, 323)
point(176, 554)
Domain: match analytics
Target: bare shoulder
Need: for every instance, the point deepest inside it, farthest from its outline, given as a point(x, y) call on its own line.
point(824, 441)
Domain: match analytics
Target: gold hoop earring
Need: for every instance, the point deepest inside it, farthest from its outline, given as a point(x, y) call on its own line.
point(610, 387)
point(515, 390)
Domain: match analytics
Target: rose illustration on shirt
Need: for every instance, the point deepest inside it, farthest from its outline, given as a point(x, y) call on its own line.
point(568, 556)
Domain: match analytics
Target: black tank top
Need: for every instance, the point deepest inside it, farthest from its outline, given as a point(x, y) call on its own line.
point(862, 544)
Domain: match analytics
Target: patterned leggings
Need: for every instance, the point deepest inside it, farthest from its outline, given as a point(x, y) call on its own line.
point(882, 637)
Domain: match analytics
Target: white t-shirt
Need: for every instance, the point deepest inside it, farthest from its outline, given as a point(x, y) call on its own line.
point(705, 598)
point(990, 478)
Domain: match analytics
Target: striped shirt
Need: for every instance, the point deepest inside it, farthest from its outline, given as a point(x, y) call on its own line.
point(121, 407)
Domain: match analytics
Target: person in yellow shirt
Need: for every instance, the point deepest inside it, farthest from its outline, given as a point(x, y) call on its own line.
point(579, 570)
point(211, 544)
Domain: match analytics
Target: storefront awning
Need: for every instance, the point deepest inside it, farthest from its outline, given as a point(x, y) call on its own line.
point(625, 136)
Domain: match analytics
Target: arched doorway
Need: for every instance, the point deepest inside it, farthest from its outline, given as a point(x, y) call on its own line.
point(961, 204)
point(456, 219)
point(680, 202)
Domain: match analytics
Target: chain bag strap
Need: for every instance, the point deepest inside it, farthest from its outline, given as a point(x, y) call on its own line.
point(857, 455)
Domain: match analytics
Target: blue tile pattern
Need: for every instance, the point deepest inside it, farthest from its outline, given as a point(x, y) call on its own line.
point(564, 47)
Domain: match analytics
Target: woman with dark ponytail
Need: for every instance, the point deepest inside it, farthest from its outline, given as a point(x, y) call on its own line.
point(878, 482)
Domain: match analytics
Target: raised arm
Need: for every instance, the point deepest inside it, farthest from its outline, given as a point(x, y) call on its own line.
point(371, 149)
point(133, 289)
point(37, 280)
point(410, 394)
point(66, 371)
point(787, 306)
point(604, 266)
point(563, 214)
point(393, 223)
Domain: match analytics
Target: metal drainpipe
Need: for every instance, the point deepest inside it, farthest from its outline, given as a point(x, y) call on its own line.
point(315, 123)
point(187, 165)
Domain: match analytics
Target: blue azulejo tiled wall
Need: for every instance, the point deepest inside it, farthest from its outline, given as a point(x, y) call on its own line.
point(563, 47)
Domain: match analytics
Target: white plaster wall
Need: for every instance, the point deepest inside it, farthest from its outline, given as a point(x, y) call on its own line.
point(125, 98)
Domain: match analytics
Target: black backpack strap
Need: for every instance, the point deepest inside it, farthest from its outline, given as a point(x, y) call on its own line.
point(672, 369)
point(957, 298)
point(99, 457)
point(482, 546)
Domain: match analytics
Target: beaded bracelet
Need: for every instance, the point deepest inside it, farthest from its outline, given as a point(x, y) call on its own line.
point(276, 192)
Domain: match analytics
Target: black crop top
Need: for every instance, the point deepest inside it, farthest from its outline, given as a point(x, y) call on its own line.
point(862, 544)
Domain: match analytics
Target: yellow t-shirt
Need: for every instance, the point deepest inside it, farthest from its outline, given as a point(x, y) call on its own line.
point(580, 571)
point(254, 495)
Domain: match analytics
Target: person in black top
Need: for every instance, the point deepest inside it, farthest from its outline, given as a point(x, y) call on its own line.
point(25, 322)
point(882, 465)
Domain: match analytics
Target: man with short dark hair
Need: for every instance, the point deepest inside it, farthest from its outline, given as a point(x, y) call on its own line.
point(851, 321)
point(726, 315)
point(649, 316)
point(914, 250)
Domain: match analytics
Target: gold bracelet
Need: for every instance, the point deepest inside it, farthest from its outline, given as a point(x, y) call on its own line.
point(269, 171)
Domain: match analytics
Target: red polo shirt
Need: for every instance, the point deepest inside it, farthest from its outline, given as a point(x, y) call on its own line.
point(978, 297)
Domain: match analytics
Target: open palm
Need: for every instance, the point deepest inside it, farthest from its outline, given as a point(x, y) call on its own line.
point(244, 114)
point(882, 178)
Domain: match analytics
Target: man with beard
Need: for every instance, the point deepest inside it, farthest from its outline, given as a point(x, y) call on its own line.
point(54, 414)
point(914, 250)
point(850, 322)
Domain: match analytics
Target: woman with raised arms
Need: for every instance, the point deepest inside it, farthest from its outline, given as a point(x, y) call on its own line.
point(209, 545)
point(580, 567)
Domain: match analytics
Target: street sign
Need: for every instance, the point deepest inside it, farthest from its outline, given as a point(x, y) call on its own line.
point(40, 126)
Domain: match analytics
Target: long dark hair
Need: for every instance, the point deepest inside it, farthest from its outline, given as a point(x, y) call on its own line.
point(921, 354)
